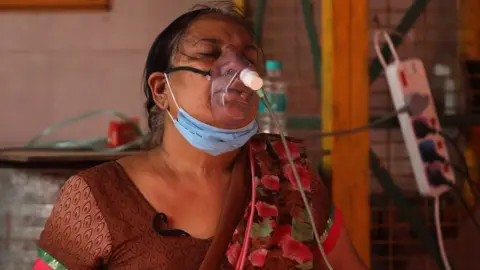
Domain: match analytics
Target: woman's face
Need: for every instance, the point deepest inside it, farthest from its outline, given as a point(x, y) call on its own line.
point(204, 46)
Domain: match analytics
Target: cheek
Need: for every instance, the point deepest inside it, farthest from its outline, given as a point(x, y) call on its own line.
point(192, 89)
point(194, 97)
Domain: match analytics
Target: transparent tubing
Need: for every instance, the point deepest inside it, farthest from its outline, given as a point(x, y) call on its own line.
point(438, 228)
point(297, 178)
point(230, 84)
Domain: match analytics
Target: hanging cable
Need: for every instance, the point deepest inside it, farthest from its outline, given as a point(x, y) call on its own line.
point(438, 228)
point(378, 122)
point(462, 200)
point(463, 160)
point(466, 174)
point(312, 40)
point(259, 17)
point(469, 181)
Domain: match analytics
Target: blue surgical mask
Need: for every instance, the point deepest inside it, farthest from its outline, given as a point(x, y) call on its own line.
point(212, 140)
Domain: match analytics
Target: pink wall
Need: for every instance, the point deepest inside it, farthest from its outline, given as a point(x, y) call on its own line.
point(58, 65)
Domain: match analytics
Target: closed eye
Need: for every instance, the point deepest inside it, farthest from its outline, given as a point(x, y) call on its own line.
point(214, 55)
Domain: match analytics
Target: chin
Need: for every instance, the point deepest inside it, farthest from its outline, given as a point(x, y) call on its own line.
point(228, 122)
point(235, 124)
point(233, 118)
point(233, 114)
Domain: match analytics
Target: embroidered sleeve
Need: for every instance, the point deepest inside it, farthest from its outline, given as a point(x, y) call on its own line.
point(76, 235)
point(46, 262)
point(332, 230)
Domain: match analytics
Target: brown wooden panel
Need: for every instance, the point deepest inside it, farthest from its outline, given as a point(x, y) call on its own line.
point(350, 100)
point(53, 4)
point(469, 29)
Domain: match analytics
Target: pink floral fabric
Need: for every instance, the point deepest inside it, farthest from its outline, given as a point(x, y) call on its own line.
point(281, 235)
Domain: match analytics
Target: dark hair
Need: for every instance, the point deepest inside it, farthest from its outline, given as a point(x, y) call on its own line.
point(165, 46)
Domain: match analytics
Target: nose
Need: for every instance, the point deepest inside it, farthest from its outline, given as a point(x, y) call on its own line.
point(234, 65)
point(230, 72)
point(232, 62)
point(242, 71)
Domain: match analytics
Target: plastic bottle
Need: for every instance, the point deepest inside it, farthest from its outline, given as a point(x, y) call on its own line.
point(276, 91)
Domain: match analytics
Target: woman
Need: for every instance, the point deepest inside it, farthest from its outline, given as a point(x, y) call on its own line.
point(186, 203)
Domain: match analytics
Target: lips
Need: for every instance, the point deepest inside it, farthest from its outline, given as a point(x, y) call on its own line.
point(236, 103)
point(239, 95)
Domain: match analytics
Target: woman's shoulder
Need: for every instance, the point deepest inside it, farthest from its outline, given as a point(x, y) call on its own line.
point(90, 182)
point(104, 171)
point(105, 187)
point(103, 179)
point(77, 231)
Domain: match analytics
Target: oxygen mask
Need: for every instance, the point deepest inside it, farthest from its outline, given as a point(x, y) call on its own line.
point(234, 82)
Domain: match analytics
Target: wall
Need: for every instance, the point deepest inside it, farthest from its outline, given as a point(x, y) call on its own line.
point(55, 65)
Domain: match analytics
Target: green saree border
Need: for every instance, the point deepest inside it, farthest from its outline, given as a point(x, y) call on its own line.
point(48, 259)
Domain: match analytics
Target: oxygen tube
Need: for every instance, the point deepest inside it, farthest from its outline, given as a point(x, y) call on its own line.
point(254, 82)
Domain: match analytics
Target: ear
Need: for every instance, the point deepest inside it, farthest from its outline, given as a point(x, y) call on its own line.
point(156, 83)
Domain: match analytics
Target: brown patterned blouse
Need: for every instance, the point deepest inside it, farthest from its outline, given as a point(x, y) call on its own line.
point(102, 221)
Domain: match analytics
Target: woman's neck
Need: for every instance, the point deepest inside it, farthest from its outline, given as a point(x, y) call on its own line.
point(181, 156)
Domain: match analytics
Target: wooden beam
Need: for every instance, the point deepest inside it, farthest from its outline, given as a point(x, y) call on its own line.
point(348, 86)
point(469, 29)
point(327, 69)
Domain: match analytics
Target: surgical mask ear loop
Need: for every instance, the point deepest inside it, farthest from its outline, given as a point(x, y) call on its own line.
point(173, 96)
point(206, 74)
point(378, 50)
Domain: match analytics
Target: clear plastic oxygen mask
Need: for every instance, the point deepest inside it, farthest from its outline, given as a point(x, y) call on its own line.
point(234, 82)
